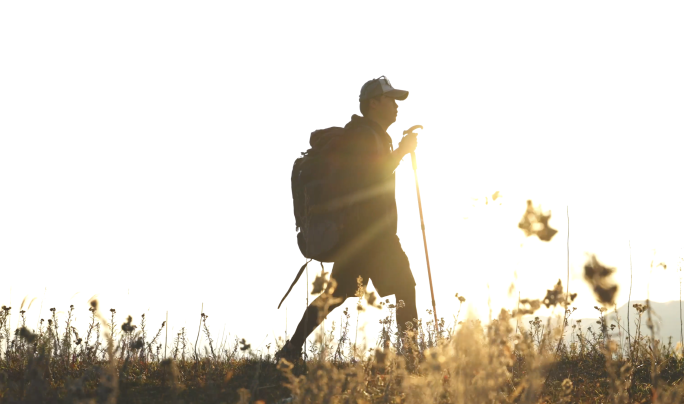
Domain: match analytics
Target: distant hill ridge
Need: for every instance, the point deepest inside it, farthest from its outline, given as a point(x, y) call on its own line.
point(666, 318)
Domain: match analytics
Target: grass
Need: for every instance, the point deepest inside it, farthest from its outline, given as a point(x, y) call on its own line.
point(504, 361)
point(501, 362)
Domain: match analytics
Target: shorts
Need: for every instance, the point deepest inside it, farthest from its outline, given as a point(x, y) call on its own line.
point(382, 260)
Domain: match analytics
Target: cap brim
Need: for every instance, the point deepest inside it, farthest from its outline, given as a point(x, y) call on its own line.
point(400, 95)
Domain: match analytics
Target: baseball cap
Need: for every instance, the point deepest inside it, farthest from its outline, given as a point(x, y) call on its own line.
point(381, 86)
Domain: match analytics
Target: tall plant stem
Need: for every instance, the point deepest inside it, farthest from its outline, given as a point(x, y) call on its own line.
point(629, 300)
point(198, 332)
point(681, 326)
point(166, 339)
point(567, 284)
point(567, 289)
point(43, 299)
point(517, 317)
point(306, 311)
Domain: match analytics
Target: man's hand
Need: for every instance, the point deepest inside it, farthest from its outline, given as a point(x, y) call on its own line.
point(408, 144)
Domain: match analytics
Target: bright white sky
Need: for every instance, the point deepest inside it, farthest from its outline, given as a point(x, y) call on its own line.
point(146, 148)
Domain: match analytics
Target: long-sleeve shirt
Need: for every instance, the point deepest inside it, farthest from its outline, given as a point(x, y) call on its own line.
point(367, 166)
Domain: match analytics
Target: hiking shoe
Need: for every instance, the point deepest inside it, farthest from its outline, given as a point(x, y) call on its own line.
point(289, 352)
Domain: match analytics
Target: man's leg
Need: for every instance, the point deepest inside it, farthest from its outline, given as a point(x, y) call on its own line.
point(391, 274)
point(311, 319)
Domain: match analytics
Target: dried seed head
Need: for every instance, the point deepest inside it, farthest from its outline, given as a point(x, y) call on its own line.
point(27, 335)
point(599, 277)
point(372, 299)
point(137, 344)
point(527, 306)
point(567, 386)
point(319, 283)
point(360, 288)
point(284, 366)
point(536, 223)
point(128, 327)
point(555, 296)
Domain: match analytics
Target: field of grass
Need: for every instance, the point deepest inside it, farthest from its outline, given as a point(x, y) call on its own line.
point(507, 360)
point(501, 362)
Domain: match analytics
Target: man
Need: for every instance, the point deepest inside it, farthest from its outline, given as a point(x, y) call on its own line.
point(370, 247)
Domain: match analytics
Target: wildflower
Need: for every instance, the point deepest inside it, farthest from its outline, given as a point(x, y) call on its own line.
point(93, 304)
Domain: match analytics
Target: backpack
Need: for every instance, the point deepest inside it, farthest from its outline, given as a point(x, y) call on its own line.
point(319, 216)
point(321, 204)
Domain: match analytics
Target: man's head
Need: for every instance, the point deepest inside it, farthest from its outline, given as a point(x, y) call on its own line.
point(378, 100)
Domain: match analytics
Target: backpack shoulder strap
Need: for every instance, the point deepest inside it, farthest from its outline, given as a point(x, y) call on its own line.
point(378, 141)
point(299, 274)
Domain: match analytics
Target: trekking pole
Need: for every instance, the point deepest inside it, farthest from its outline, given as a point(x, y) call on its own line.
point(422, 223)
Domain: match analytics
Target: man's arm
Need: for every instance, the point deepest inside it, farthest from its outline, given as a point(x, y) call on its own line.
point(365, 165)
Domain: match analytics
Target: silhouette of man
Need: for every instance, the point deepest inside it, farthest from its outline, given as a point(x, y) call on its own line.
point(370, 246)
